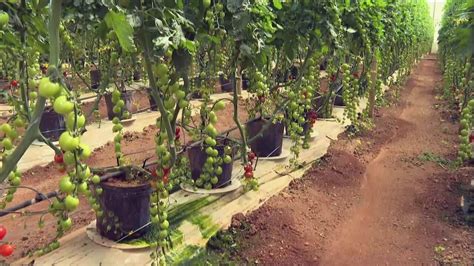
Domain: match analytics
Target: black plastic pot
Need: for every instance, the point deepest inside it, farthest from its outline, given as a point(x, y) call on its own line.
point(126, 96)
point(196, 95)
point(197, 158)
point(270, 142)
point(227, 85)
point(338, 100)
point(320, 103)
point(137, 75)
point(125, 205)
point(245, 83)
point(95, 76)
point(52, 124)
point(153, 105)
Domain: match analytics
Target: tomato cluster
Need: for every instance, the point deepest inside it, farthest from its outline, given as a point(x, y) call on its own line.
point(5, 249)
point(212, 169)
point(466, 136)
point(350, 86)
point(10, 136)
point(251, 183)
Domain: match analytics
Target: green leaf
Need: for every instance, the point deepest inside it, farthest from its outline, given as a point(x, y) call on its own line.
point(122, 28)
point(277, 4)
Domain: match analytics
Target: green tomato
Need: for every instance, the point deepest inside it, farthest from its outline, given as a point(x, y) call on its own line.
point(120, 103)
point(212, 117)
point(206, 3)
point(19, 122)
point(164, 225)
point(210, 141)
point(179, 94)
point(169, 104)
point(116, 95)
point(163, 234)
point(95, 179)
point(62, 105)
point(154, 210)
point(85, 151)
point(5, 128)
point(83, 188)
point(71, 202)
point(4, 18)
point(65, 185)
point(7, 143)
point(117, 109)
point(227, 159)
point(86, 173)
point(211, 130)
point(13, 134)
point(183, 104)
point(68, 142)
point(214, 180)
point(209, 151)
point(117, 128)
point(161, 70)
point(220, 105)
point(48, 89)
point(66, 224)
point(33, 95)
point(68, 158)
point(16, 181)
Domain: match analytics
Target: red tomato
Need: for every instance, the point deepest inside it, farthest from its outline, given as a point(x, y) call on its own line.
point(6, 250)
point(165, 179)
point(248, 168)
point(251, 156)
point(248, 174)
point(3, 232)
point(153, 172)
point(356, 75)
point(14, 83)
point(471, 138)
point(177, 133)
point(58, 158)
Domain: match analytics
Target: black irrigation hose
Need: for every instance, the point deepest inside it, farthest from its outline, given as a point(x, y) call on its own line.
point(37, 199)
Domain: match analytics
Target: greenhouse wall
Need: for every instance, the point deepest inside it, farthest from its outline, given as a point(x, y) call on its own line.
point(437, 8)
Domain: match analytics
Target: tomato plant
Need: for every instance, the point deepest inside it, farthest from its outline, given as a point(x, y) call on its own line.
point(183, 48)
point(456, 51)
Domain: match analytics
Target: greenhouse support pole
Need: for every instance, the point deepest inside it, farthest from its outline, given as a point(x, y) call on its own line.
point(373, 85)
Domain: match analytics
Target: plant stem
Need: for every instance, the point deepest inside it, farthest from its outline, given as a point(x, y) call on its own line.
point(156, 96)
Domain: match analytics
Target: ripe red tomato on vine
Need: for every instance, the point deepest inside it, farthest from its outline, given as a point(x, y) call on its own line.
point(6, 250)
point(58, 158)
point(3, 232)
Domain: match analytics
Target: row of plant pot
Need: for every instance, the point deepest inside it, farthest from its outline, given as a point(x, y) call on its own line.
point(128, 203)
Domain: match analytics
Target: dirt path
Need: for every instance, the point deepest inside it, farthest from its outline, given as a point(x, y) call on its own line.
point(373, 201)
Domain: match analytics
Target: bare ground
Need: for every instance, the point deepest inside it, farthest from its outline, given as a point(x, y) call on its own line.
point(373, 199)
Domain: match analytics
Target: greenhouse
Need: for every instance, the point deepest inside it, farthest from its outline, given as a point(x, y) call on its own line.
point(236, 132)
